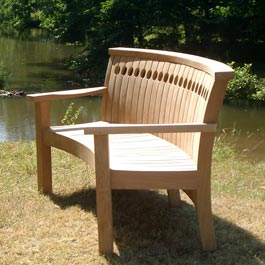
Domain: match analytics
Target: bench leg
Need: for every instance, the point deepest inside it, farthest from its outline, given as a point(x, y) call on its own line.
point(192, 195)
point(173, 198)
point(44, 171)
point(205, 220)
point(103, 193)
point(104, 215)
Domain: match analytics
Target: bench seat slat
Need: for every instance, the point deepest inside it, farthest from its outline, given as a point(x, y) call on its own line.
point(132, 152)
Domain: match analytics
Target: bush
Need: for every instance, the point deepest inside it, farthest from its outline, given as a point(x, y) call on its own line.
point(71, 114)
point(245, 85)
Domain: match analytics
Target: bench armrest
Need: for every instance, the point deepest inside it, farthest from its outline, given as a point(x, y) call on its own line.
point(74, 93)
point(110, 128)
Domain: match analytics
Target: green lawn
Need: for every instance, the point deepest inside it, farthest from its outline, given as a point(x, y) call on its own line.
point(62, 228)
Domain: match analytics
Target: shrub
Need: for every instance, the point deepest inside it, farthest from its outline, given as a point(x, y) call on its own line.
point(245, 85)
point(71, 114)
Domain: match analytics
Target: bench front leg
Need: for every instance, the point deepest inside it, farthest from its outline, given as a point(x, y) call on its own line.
point(44, 171)
point(103, 194)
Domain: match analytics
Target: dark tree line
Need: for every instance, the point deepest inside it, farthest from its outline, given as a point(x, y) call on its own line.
point(223, 29)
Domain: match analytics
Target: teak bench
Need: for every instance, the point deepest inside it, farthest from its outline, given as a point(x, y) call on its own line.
point(157, 129)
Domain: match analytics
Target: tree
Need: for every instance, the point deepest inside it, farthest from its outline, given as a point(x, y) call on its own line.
point(18, 14)
point(208, 27)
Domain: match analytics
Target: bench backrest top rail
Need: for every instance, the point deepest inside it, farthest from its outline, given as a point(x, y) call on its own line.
point(215, 68)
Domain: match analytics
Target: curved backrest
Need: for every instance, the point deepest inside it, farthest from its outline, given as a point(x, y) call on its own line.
point(150, 86)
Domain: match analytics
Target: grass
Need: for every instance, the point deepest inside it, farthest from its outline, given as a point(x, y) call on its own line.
point(62, 228)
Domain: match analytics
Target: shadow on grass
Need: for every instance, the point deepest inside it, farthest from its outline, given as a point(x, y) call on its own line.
point(146, 231)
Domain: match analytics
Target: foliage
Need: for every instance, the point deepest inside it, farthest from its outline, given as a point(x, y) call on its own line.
point(245, 85)
point(19, 14)
point(4, 73)
point(223, 150)
point(226, 30)
point(71, 114)
point(152, 23)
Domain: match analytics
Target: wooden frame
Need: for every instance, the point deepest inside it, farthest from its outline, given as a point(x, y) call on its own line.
point(159, 116)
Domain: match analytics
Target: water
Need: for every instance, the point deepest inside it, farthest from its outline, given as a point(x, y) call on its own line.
point(17, 115)
point(38, 66)
point(245, 129)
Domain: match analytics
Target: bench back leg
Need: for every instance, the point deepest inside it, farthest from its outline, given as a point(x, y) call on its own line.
point(174, 199)
point(205, 219)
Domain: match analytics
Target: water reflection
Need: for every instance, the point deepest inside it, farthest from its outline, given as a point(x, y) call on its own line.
point(244, 128)
point(247, 119)
point(16, 121)
point(17, 115)
point(35, 65)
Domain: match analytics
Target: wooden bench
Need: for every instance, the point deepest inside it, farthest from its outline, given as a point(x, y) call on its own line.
point(157, 129)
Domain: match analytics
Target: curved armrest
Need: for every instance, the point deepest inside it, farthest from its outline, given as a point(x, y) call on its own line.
point(110, 128)
point(74, 93)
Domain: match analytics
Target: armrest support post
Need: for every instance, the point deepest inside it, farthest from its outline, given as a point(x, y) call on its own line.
point(103, 193)
point(42, 121)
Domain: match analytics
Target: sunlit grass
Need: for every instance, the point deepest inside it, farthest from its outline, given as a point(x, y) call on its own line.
point(62, 228)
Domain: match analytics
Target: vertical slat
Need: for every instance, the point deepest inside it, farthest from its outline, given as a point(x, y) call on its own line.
point(200, 101)
point(130, 92)
point(187, 99)
point(108, 98)
point(181, 99)
point(195, 114)
point(44, 171)
point(136, 91)
point(159, 93)
point(156, 94)
point(194, 98)
point(117, 90)
point(142, 94)
point(150, 92)
point(103, 194)
point(199, 112)
point(170, 98)
point(167, 95)
point(178, 102)
point(174, 100)
point(123, 91)
point(164, 88)
point(190, 116)
point(106, 84)
point(168, 68)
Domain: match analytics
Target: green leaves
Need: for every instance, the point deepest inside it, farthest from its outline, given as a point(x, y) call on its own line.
point(71, 115)
point(245, 85)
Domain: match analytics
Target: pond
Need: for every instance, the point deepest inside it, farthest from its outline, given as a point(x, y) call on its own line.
point(38, 66)
point(244, 128)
